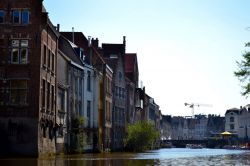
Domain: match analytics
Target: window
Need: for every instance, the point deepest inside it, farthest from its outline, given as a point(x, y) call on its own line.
point(1, 93)
point(48, 96)
point(49, 56)
point(52, 98)
point(80, 87)
point(120, 76)
point(25, 17)
point(16, 16)
point(61, 100)
point(231, 126)
point(88, 111)
point(88, 82)
point(116, 91)
point(20, 17)
point(43, 93)
point(231, 119)
point(18, 92)
point(113, 56)
point(120, 92)
point(19, 51)
point(44, 54)
point(53, 62)
point(1, 16)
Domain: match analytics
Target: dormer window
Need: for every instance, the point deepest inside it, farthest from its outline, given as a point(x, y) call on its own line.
point(113, 56)
point(20, 17)
point(1, 16)
point(82, 56)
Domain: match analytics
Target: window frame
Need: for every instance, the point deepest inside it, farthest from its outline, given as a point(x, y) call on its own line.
point(89, 112)
point(25, 11)
point(19, 46)
point(15, 11)
point(232, 127)
point(231, 119)
point(19, 91)
point(20, 16)
point(89, 81)
point(3, 16)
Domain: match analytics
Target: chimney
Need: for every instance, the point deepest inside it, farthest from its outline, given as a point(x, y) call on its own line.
point(95, 42)
point(124, 41)
point(89, 41)
point(58, 27)
point(73, 35)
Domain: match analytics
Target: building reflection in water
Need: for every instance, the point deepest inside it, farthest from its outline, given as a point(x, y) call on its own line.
point(160, 157)
point(76, 162)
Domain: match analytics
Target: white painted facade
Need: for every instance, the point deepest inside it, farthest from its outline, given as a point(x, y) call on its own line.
point(232, 120)
point(244, 123)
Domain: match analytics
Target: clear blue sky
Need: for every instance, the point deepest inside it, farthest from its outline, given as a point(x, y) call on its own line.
point(187, 50)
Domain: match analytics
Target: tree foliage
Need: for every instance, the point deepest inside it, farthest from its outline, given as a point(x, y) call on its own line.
point(78, 135)
point(141, 135)
point(243, 72)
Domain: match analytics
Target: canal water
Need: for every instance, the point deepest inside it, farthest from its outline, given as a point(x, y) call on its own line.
point(164, 157)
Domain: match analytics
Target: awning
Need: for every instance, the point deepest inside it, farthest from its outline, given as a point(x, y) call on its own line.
point(226, 133)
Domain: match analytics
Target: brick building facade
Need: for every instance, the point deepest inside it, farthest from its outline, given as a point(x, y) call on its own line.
point(28, 43)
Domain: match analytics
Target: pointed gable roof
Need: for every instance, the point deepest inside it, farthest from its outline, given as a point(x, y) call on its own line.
point(112, 53)
point(131, 66)
point(66, 48)
point(108, 49)
point(81, 41)
point(130, 61)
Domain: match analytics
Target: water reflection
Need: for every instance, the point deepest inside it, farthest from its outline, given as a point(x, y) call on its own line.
point(164, 157)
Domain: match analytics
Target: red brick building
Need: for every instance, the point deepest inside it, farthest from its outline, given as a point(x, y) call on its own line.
point(28, 51)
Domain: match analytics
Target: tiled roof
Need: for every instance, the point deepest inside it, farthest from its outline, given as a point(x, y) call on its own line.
point(235, 110)
point(131, 66)
point(108, 49)
point(112, 63)
point(130, 60)
point(65, 46)
point(97, 55)
point(80, 40)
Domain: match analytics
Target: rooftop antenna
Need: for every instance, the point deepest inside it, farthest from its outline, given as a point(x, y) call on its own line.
point(73, 35)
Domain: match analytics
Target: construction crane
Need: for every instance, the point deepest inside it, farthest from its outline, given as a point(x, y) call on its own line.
point(192, 105)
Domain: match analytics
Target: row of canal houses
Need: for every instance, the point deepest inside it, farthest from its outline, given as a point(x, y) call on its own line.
point(61, 91)
point(199, 127)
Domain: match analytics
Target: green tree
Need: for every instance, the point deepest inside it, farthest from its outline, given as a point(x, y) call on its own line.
point(78, 135)
point(141, 136)
point(243, 72)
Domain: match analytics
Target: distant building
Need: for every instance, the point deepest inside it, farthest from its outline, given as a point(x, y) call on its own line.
point(114, 55)
point(132, 76)
point(177, 124)
point(201, 127)
point(198, 128)
point(244, 123)
point(215, 125)
point(232, 120)
point(166, 127)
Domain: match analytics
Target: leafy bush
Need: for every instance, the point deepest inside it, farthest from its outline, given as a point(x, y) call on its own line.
point(141, 136)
